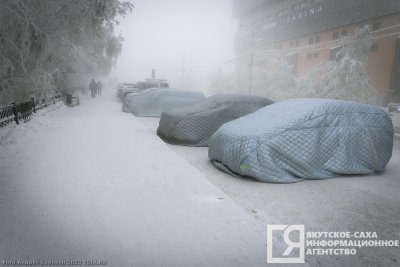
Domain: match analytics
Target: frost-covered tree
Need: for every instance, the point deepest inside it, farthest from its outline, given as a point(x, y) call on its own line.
point(345, 77)
point(45, 42)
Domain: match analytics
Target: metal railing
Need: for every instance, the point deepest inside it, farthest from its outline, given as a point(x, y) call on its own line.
point(17, 112)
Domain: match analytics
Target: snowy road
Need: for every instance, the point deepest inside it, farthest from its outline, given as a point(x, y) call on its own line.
point(354, 203)
point(92, 183)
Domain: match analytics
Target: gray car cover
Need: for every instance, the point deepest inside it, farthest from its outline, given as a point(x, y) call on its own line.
point(193, 125)
point(302, 139)
point(152, 102)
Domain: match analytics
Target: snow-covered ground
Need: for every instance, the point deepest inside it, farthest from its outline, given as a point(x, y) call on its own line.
point(92, 183)
point(351, 203)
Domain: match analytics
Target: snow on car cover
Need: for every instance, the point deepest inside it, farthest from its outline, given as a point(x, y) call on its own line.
point(194, 125)
point(152, 102)
point(302, 139)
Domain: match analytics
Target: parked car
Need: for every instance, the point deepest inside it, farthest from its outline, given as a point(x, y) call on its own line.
point(127, 92)
point(193, 125)
point(130, 90)
point(124, 87)
point(301, 139)
point(152, 102)
point(153, 83)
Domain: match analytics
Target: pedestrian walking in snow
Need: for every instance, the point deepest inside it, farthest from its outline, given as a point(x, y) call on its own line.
point(93, 88)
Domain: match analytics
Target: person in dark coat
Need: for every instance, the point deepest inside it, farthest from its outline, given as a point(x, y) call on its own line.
point(93, 88)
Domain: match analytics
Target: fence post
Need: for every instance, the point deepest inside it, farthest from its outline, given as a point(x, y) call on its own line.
point(33, 104)
point(14, 110)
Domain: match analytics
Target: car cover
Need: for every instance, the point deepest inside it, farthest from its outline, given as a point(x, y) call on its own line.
point(152, 102)
point(299, 139)
point(193, 125)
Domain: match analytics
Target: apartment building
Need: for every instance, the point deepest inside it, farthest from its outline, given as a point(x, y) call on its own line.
point(307, 32)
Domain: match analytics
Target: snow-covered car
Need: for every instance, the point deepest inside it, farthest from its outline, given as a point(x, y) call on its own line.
point(123, 87)
point(154, 101)
point(126, 94)
point(300, 139)
point(153, 83)
point(194, 125)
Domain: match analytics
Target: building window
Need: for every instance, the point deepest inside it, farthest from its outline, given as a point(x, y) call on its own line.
point(314, 39)
point(376, 26)
point(294, 43)
point(335, 35)
point(292, 61)
point(374, 48)
point(309, 56)
point(315, 55)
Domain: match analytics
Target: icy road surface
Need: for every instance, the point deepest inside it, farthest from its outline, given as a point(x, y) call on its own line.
point(348, 203)
point(92, 183)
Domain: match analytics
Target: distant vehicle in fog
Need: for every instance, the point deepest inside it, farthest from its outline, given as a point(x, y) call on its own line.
point(125, 84)
point(154, 101)
point(130, 90)
point(153, 83)
point(126, 88)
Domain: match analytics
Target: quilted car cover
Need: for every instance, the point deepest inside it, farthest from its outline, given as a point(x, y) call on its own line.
point(302, 139)
point(193, 125)
point(152, 102)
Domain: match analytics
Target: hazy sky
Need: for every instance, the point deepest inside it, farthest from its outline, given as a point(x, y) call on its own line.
point(158, 32)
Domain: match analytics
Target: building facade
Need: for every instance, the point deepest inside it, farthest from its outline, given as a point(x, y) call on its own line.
point(307, 32)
